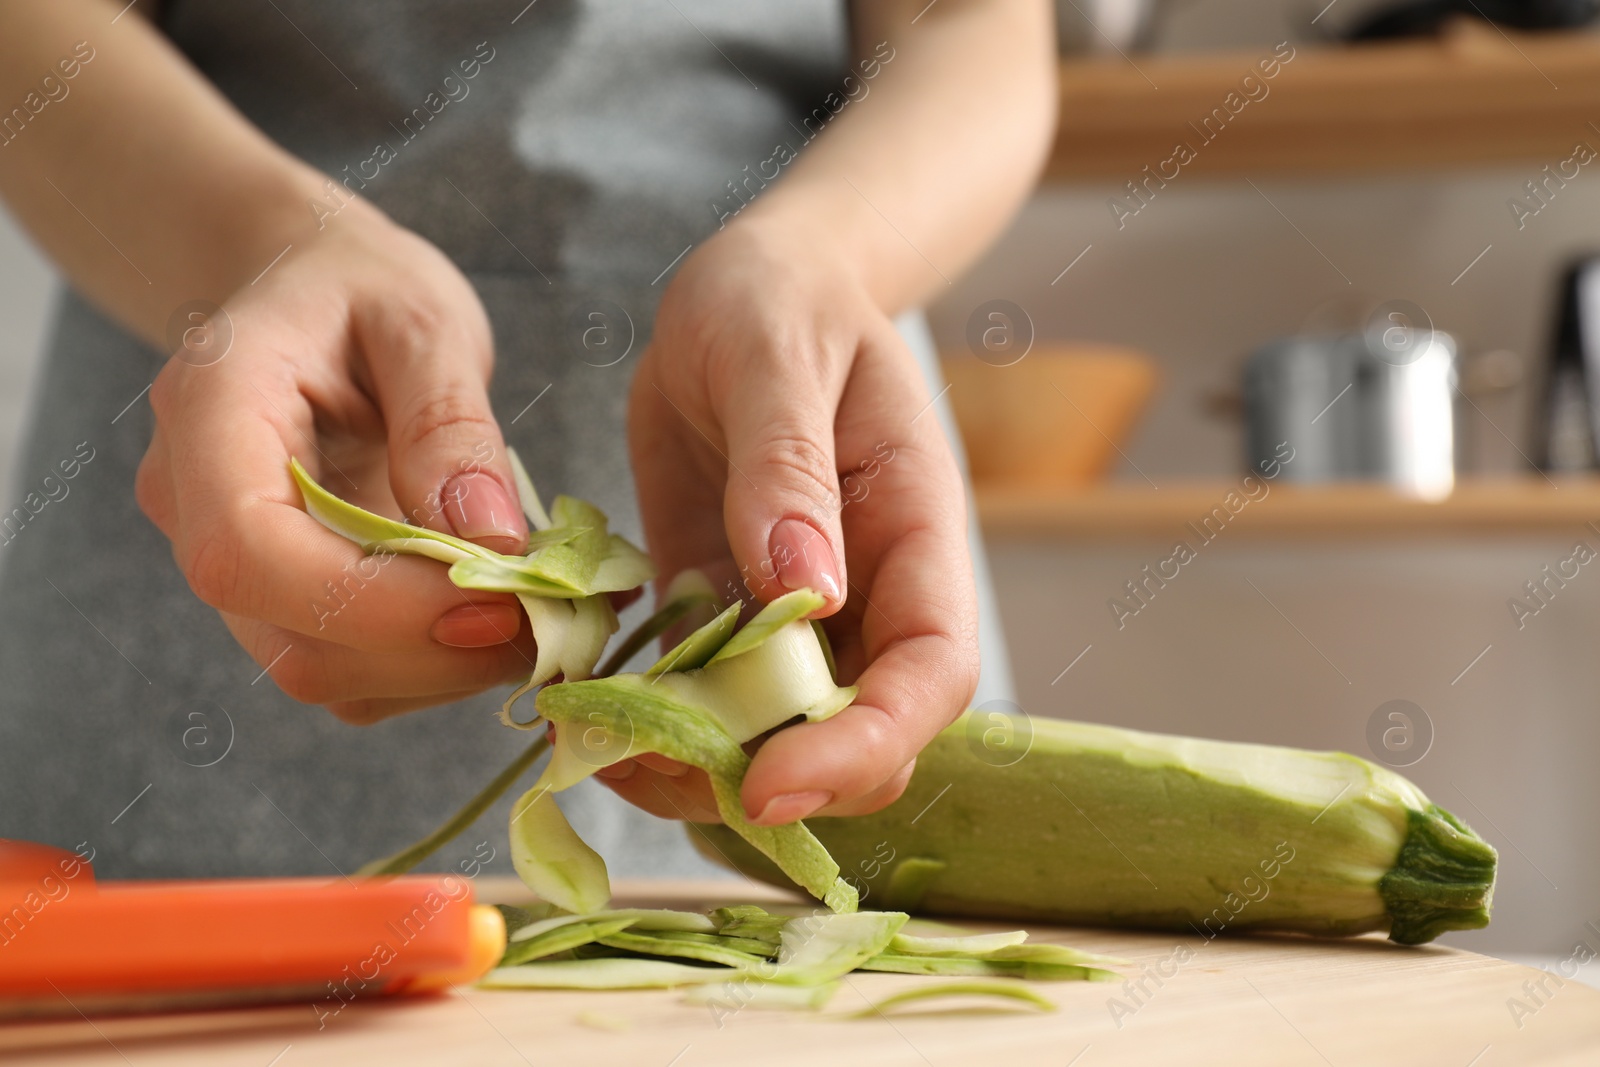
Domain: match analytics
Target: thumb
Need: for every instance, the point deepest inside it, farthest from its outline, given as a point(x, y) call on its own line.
point(781, 509)
point(448, 466)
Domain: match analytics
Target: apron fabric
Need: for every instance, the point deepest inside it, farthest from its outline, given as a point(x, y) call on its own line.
point(586, 152)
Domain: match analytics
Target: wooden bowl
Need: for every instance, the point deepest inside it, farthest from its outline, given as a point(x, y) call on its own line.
point(1052, 420)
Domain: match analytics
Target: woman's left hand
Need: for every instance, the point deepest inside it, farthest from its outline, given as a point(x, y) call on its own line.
point(782, 436)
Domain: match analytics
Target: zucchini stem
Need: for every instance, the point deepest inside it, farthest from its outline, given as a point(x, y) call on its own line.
point(1443, 879)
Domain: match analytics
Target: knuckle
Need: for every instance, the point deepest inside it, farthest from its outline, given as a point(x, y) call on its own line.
point(889, 792)
point(211, 561)
point(415, 323)
point(300, 677)
point(148, 491)
point(955, 651)
point(445, 412)
point(961, 670)
point(164, 392)
point(800, 460)
point(420, 318)
point(965, 682)
point(502, 664)
point(356, 712)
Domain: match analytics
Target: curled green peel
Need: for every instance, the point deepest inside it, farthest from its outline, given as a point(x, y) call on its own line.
point(604, 974)
point(821, 948)
point(680, 948)
point(643, 918)
point(962, 966)
point(758, 959)
point(501, 576)
point(572, 562)
point(750, 921)
point(697, 649)
point(791, 607)
point(785, 677)
point(908, 945)
point(718, 689)
point(569, 636)
point(628, 715)
point(622, 567)
point(687, 594)
point(563, 938)
point(1003, 991)
point(552, 859)
point(527, 496)
point(374, 531)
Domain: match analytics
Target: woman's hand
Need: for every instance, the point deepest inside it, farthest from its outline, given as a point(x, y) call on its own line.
point(367, 355)
point(780, 430)
point(782, 437)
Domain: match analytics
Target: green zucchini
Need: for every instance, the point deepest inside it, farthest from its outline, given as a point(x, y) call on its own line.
point(1103, 826)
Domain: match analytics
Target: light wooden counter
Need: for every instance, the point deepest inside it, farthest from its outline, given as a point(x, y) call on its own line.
point(1277, 1002)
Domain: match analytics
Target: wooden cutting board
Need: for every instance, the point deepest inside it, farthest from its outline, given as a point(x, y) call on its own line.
point(1269, 1001)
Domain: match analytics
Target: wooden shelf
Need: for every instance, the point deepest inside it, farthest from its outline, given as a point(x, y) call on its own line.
point(1115, 512)
point(1474, 95)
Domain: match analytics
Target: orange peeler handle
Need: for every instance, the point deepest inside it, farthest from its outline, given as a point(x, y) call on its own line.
point(64, 937)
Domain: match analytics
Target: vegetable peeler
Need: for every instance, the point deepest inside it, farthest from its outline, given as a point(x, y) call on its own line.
point(70, 945)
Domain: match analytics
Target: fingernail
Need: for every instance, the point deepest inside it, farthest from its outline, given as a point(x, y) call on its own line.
point(618, 772)
point(662, 765)
point(791, 807)
point(804, 559)
point(477, 625)
point(479, 508)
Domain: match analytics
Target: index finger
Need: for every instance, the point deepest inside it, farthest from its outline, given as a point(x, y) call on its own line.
point(242, 537)
point(914, 595)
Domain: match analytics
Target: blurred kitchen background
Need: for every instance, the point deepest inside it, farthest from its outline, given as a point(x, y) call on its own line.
point(1366, 174)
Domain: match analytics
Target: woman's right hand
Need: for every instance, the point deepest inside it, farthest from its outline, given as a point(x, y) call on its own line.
point(365, 354)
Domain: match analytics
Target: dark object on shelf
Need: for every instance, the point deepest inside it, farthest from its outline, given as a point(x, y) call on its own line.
point(1568, 421)
point(1421, 18)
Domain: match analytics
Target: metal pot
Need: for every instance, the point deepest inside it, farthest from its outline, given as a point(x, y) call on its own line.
point(1378, 407)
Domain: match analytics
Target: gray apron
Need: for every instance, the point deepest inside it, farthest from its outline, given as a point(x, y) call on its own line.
point(568, 174)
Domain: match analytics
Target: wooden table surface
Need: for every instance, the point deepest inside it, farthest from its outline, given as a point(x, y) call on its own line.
point(1279, 1002)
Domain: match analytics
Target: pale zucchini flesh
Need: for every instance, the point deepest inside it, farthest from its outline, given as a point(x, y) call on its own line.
point(719, 688)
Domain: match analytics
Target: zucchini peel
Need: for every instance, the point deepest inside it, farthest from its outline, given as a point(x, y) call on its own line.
point(573, 561)
point(744, 956)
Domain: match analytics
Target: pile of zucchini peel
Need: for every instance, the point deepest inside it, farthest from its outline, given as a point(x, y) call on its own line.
point(1083, 824)
point(745, 956)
